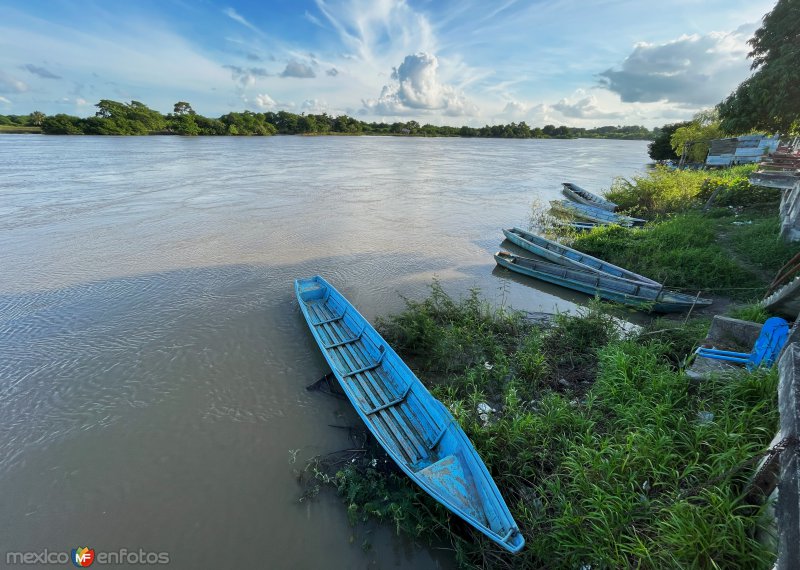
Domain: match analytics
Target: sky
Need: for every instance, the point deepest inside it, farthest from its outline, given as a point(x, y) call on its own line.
point(459, 62)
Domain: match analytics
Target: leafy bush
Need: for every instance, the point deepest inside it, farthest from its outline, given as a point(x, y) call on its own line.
point(664, 191)
point(625, 476)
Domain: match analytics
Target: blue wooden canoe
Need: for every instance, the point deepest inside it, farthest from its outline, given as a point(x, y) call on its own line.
point(578, 194)
point(593, 214)
point(634, 294)
point(576, 225)
point(563, 255)
point(414, 428)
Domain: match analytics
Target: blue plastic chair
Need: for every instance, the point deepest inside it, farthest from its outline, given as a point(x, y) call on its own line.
point(766, 350)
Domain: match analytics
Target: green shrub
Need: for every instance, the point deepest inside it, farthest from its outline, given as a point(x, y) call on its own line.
point(663, 191)
point(625, 476)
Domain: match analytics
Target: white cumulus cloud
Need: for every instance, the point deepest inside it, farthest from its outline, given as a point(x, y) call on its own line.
point(585, 108)
point(298, 69)
point(694, 70)
point(315, 106)
point(415, 87)
point(264, 101)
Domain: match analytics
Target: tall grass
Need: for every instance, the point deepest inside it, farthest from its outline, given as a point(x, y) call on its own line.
point(731, 250)
point(663, 191)
point(757, 241)
point(620, 473)
point(681, 252)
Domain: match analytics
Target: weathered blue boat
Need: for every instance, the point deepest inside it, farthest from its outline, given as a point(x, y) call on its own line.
point(631, 293)
point(578, 194)
point(576, 225)
point(414, 428)
point(593, 214)
point(563, 255)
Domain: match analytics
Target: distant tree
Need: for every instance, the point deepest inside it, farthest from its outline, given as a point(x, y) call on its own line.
point(661, 147)
point(37, 118)
point(184, 124)
point(107, 108)
point(770, 98)
point(61, 124)
point(307, 124)
point(697, 136)
point(183, 108)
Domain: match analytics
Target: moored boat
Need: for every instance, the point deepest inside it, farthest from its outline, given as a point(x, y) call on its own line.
point(563, 255)
point(583, 196)
point(631, 293)
point(414, 428)
point(576, 225)
point(593, 214)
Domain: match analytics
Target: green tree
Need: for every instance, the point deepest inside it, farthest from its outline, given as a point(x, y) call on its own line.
point(661, 147)
point(37, 118)
point(183, 108)
point(695, 138)
point(770, 98)
point(61, 124)
point(184, 125)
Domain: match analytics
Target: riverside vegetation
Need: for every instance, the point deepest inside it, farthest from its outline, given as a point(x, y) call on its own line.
point(606, 453)
point(136, 118)
point(730, 249)
point(602, 447)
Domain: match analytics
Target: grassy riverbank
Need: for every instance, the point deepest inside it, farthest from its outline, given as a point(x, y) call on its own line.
point(18, 130)
point(604, 451)
point(607, 454)
point(731, 249)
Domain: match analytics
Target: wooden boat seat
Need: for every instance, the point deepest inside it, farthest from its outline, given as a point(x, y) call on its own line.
point(377, 395)
point(415, 429)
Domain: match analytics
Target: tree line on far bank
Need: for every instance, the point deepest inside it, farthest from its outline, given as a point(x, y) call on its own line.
point(135, 118)
point(768, 101)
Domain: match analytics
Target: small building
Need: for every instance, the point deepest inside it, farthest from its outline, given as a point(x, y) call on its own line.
point(747, 149)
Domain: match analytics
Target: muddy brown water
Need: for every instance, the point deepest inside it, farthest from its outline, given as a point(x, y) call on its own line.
point(153, 359)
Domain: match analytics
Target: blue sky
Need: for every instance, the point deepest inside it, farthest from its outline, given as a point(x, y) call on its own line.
point(442, 62)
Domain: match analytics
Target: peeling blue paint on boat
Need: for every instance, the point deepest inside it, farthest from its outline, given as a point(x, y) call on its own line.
point(578, 194)
point(563, 255)
point(594, 214)
point(635, 294)
point(414, 428)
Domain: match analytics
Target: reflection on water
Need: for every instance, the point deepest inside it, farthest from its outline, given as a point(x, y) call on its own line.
point(152, 357)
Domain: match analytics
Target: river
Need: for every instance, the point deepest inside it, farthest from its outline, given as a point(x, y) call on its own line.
point(153, 359)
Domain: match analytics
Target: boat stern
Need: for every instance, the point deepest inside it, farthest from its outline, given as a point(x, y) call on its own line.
point(310, 288)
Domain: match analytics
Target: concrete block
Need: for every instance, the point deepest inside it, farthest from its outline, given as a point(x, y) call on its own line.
point(725, 333)
point(733, 334)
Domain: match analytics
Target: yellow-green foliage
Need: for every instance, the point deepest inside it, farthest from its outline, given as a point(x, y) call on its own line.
point(663, 191)
point(697, 137)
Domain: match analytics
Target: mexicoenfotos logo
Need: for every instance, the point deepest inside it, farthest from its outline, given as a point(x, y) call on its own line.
point(82, 557)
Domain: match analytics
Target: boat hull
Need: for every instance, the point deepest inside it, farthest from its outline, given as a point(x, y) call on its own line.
point(594, 214)
point(608, 288)
point(563, 255)
point(415, 429)
point(578, 194)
